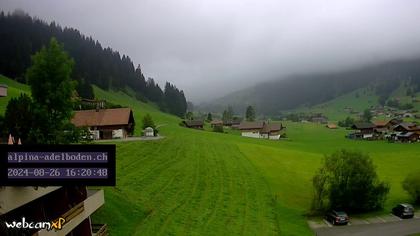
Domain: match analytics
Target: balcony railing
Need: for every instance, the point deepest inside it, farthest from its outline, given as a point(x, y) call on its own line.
point(73, 212)
point(100, 230)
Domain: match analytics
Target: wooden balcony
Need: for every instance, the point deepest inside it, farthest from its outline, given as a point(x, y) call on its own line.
point(14, 197)
point(77, 214)
point(99, 230)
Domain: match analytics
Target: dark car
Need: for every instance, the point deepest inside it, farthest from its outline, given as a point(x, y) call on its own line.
point(403, 210)
point(337, 217)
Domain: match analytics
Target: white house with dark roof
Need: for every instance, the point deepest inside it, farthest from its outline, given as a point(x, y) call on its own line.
point(261, 129)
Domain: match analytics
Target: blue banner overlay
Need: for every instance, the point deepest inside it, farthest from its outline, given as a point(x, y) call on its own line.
point(57, 157)
point(52, 173)
point(57, 165)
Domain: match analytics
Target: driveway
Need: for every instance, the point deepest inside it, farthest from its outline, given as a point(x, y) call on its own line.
point(380, 228)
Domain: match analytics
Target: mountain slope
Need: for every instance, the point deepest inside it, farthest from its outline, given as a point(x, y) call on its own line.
point(271, 98)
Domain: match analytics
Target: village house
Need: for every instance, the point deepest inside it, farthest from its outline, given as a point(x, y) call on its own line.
point(382, 127)
point(3, 90)
point(214, 123)
point(234, 122)
point(319, 119)
point(261, 129)
point(195, 124)
point(364, 130)
point(408, 137)
point(106, 123)
point(406, 127)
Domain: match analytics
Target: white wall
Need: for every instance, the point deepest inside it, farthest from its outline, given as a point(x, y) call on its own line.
point(251, 134)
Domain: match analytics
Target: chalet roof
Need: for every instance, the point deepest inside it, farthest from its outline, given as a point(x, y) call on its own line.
point(251, 125)
point(216, 122)
point(380, 123)
point(4, 85)
point(408, 126)
point(190, 123)
point(102, 117)
point(267, 128)
point(363, 125)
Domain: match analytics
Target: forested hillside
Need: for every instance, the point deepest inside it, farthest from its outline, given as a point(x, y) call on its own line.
point(273, 97)
point(21, 36)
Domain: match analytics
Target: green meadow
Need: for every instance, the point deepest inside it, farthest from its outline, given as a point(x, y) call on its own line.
point(195, 182)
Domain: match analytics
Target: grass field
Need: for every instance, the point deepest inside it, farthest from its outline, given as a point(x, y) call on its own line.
point(204, 183)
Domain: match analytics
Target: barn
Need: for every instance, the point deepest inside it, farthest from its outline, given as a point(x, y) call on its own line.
point(106, 123)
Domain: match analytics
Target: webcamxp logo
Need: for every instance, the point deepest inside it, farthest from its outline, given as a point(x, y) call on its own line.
point(23, 224)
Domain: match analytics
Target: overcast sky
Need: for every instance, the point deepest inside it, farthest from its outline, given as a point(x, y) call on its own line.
point(211, 47)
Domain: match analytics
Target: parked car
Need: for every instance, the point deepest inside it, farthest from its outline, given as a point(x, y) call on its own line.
point(403, 210)
point(337, 217)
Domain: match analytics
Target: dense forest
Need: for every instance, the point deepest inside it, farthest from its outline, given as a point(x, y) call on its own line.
point(274, 97)
point(21, 36)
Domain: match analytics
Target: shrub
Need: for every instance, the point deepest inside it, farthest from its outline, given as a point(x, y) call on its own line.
point(348, 181)
point(411, 184)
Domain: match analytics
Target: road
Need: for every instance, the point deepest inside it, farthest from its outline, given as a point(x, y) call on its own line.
point(399, 228)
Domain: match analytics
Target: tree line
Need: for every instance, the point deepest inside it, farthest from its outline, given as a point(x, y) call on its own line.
point(23, 36)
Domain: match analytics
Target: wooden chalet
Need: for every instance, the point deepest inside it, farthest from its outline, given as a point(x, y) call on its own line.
point(195, 124)
point(408, 137)
point(364, 130)
point(407, 127)
point(319, 119)
point(106, 123)
point(234, 122)
point(214, 123)
point(261, 129)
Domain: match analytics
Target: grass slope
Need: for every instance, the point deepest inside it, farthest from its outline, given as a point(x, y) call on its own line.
point(359, 100)
point(14, 90)
point(205, 183)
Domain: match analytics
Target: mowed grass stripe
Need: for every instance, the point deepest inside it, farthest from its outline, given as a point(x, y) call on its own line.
point(207, 188)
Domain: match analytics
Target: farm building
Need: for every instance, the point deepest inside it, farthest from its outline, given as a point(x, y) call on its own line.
point(319, 119)
point(195, 124)
point(407, 127)
point(106, 123)
point(261, 129)
point(408, 137)
point(216, 123)
point(380, 124)
point(3, 90)
point(234, 122)
point(365, 130)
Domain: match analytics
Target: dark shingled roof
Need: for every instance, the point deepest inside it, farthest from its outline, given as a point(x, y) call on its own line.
point(363, 125)
point(267, 128)
point(216, 122)
point(408, 126)
point(246, 125)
